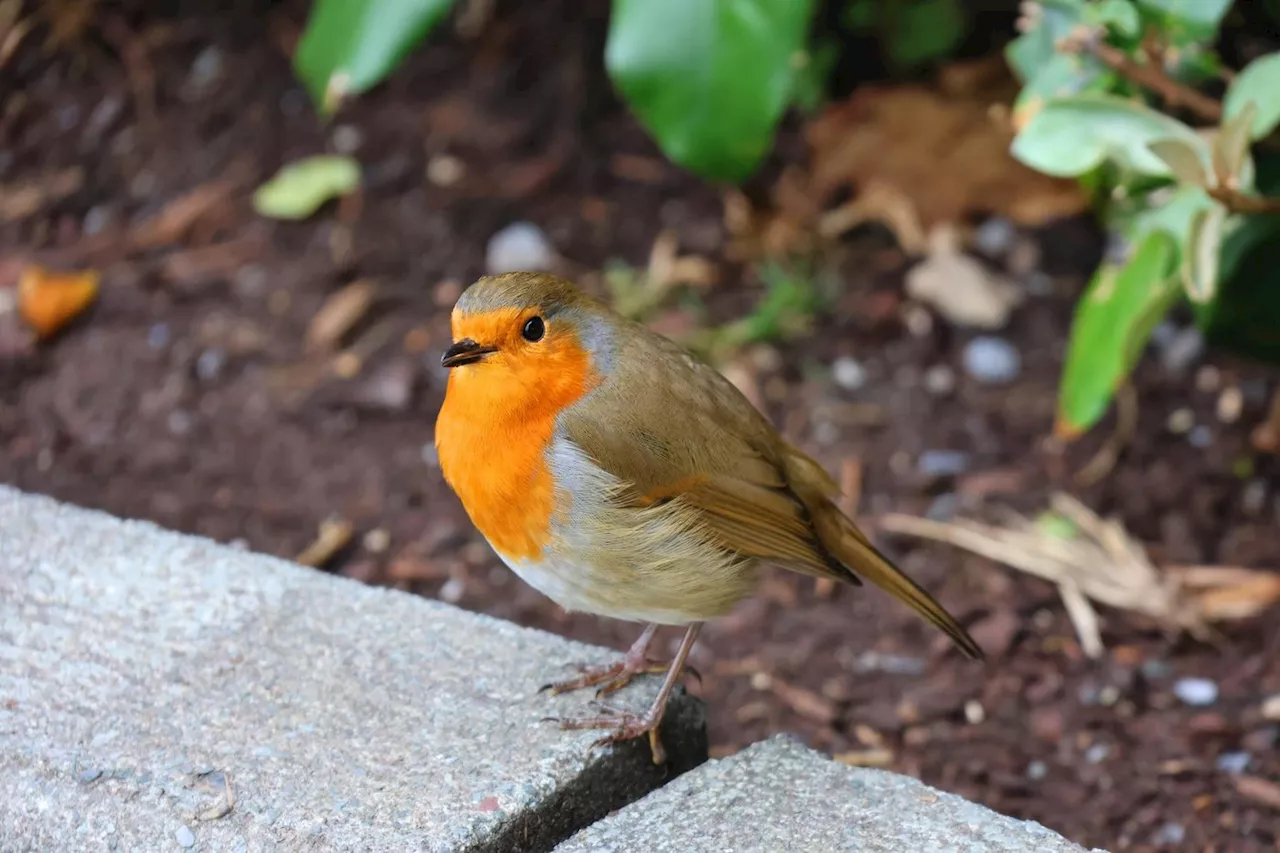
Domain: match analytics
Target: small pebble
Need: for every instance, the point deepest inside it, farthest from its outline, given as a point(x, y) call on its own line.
point(1233, 762)
point(1039, 283)
point(209, 364)
point(974, 713)
point(1097, 753)
point(1230, 405)
point(521, 246)
point(1163, 334)
point(97, 219)
point(346, 138)
point(1271, 707)
point(995, 236)
point(180, 422)
point(918, 320)
point(158, 336)
point(430, 456)
point(445, 170)
point(1196, 691)
point(1254, 497)
point(848, 373)
point(1037, 770)
point(1200, 436)
point(1181, 421)
point(1208, 379)
point(377, 540)
point(185, 836)
point(992, 360)
point(940, 380)
point(942, 463)
point(1171, 834)
point(1183, 350)
point(451, 591)
point(250, 281)
point(206, 69)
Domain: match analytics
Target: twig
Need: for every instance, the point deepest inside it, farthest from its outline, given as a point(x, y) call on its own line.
point(1151, 76)
point(1237, 202)
point(1126, 421)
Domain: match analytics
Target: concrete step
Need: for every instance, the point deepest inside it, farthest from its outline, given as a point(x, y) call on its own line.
point(777, 796)
point(162, 692)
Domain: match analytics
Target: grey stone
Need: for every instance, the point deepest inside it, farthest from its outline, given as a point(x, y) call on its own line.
point(329, 714)
point(519, 247)
point(991, 360)
point(1196, 691)
point(778, 795)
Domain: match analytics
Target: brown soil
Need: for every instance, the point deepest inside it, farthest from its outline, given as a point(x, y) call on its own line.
point(187, 396)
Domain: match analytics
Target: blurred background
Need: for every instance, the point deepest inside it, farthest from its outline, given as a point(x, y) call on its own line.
point(1011, 271)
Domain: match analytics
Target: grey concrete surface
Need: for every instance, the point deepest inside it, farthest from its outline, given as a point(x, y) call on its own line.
point(149, 680)
point(778, 796)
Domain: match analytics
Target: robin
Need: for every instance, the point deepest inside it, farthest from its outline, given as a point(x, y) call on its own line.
point(620, 476)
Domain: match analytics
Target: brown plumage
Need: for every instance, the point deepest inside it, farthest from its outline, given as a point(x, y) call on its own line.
point(629, 479)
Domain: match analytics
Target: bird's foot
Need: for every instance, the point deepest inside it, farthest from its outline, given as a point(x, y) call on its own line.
point(608, 678)
point(625, 725)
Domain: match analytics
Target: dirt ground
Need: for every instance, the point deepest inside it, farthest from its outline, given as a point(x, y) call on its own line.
point(188, 396)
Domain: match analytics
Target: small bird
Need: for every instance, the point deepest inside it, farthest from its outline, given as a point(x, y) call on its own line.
point(620, 476)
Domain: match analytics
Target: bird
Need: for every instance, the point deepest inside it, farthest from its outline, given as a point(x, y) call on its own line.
point(621, 476)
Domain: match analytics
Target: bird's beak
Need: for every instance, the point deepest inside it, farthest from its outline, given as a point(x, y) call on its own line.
point(465, 351)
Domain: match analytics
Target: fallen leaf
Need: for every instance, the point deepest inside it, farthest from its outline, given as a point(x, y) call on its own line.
point(339, 314)
point(1260, 790)
point(300, 188)
point(179, 216)
point(960, 287)
point(943, 150)
point(24, 198)
point(48, 301)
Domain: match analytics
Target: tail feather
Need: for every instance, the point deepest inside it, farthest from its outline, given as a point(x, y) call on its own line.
point(853, 549)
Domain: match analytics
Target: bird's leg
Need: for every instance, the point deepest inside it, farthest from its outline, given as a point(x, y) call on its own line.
point(614, 676)
point(627, 726)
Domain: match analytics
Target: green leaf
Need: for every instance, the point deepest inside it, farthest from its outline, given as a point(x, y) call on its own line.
point(1112, 323)
point(300, 188)
point(1071, 136)
point(1201, 252)
point(708, 79)
point(924, 30)
point(349, 46)
point(1257, 83)
point(1183, 160)
point(1197, 18)
point(1231, 147)
point(1064, 75)
point(1120, 16)
point(1034, 49)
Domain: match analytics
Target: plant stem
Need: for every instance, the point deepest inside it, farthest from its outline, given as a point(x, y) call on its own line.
point(1151, 76)
point(1237, 202)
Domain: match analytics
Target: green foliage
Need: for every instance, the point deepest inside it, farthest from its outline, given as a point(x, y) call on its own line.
point(914, 32)
point(349, 46)
point(300, 188)
point(708, 79)
point(1184, 197)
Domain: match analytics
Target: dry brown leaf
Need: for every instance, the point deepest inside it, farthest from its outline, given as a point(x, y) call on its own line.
point(943, 150)
point(1229, 592)
point(334, 535)
point(179, 216)
point(1259, 790)
point(339, 314)
point(24, 198)
point(49, 301)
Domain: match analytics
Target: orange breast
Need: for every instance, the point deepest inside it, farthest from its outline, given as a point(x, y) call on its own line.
point(493, 432)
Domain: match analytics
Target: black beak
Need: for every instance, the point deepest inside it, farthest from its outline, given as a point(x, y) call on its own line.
point(465, 351)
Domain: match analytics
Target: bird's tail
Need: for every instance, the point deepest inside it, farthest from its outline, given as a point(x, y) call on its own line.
point(844, 541)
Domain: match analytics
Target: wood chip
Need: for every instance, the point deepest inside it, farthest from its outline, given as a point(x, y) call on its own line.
point(1259, 790)
point(334, 535)
point(339, 314)
point(865, 757)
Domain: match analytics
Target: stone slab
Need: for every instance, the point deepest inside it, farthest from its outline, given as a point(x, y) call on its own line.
point(150, 679)
point(778, 796)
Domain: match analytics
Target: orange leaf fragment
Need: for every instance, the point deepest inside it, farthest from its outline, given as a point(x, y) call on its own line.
point(50, 300)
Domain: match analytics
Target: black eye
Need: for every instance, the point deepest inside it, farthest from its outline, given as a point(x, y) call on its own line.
point(534, 329)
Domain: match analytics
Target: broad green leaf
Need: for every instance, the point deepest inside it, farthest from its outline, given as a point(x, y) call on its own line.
point(1070, 136)
point(1231, 146)
point(1120, 16)
point(300, 188)
point(1064, 75)
point(1257, 83)
point(922, 30)
point(349, 46)
point(1183, 160)
point(708, 79)
point(1172, 214)
point(1032, 50)
point(1201, 252)
point(1112, 323)
point(1197, 18)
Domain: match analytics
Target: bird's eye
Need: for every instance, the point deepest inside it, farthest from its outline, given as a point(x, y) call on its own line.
point(533, 329)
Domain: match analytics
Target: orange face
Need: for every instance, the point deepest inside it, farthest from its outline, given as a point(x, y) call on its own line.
point(514, 372)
